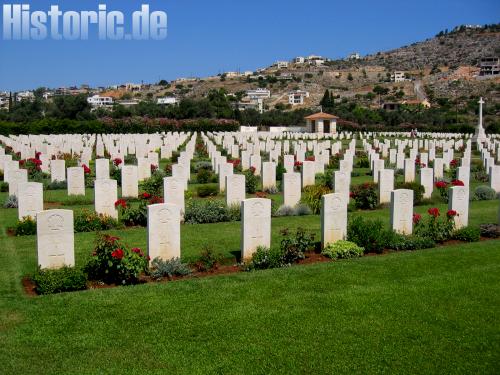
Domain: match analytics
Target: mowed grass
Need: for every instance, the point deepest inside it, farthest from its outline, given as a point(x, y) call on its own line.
point(428, 312)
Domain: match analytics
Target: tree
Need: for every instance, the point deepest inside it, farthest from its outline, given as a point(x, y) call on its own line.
point(349, 77)
point(327, 102)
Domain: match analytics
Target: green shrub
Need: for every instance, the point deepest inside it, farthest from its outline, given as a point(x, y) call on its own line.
point(204, 191)
point(201, 165)
point(154, 185)
point(280, 170)
point(265, 258)
point(168, 268)
point(113, 262)
point(363, 162)
point(285, 211)
point(401, 242)
point(418, 191)
point(57, 185)
point(302, 210)
point(251, 181)
point(10, 202)
point(467, 234)
point(368, 234)
point(91, 221)
point(312, 197)
point(206, 211)
point(484, 193)
point(342, 250)
point(204, 176)
point(365, 196)
point(61, 280)
point(436, 227)
point(4, 187)
point(234, 212)
point(208, 260)
point(26, 227)
point(294, 246)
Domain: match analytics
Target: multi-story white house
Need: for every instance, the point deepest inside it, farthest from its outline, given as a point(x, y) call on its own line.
point(299, 60)
point(25, 95)
point(297, 97)
point(316, 60)
point(231, 74)
point(281, 64)
point(168, 100)
point(398, 76)
point(354, 56)
point(100, 101)
point(259, 93)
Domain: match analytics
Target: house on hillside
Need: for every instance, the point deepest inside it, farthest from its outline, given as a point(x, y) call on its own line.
point(321, 123)
point(297, 97)
point(416, 102)
point(490, 66)
point(299, 60)
point(281, 64)
point(100, 101)
point(168, 100)
point(259, 93)
point(398, 76)
point(354, 56)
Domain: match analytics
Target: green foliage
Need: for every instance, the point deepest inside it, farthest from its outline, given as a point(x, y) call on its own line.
point(251, 182)
point(204, 176)
point(280, 170)
point(4, 187)
point(435, 227)
point(208, 260)
point(401, 242)
point(264, 258)
point(312, 197)
point(484, 193)
point(418, 191)
point(134, 215)
point(365, 196)
point(363, 162)
point(154, 184)
point(25, 227)
point(61, 280)
point(368, 234)
point(10, 202)
point(342, 250)
point(114, 263)
point(90, 221)
point(468, 234)
point(57, 185)
point(293, 246)
point(168, 268)
point(206, 211)
point(204, 191)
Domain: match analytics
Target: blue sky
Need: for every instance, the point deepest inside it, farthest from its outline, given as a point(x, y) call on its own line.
point(208, 37)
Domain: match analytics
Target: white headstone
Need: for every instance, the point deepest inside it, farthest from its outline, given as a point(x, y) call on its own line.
point(76, 181)
point(402, 211)
point(459, 202)
point(235, 189)
point(55, 238)
point(130, 181)
point(30, 199)
point(164, 231)
point(255, 225)
point(106, 195)
point(333, 218)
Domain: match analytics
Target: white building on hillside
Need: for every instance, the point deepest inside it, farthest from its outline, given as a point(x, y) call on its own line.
point(299, 60)
point(281, 64)
point(259, 94)
point(354, 56)
point(168, 100)
point(231, 74)
point(100, 101)
point(297, 97)
point(25, 95)
point(398, 76)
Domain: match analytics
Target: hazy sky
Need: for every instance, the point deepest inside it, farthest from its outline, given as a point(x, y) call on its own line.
point(208, 37)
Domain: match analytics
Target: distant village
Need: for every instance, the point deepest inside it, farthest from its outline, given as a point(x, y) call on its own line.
point(130, 94)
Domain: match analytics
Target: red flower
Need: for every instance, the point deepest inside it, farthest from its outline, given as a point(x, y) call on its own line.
point(434, 212)
point(441, 184)
point(153, 168)
point(416, 218)
point(298, 164)
point(351, 195)
point(22, 162)
point(121, 202)
point(235, 162)
point(37, 154)
point(117, 254)
point(252, 169)
point(111, 238)
point(86, 169)
point(451, 213)
point(454, 163)
point(136, 250)
point(457, 183)
point(117, 162)
point(145, 195)
point(261, 194)
point(311, 158)
point(156, 200)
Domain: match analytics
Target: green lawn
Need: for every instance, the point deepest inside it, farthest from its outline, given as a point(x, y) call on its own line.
point(424, 312)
